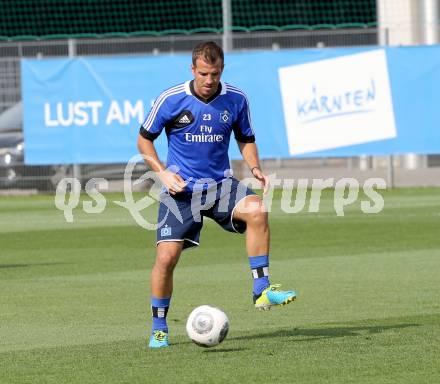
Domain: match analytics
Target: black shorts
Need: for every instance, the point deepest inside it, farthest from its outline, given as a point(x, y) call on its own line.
point(181, 216)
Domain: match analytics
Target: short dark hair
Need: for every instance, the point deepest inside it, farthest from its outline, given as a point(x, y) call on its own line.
point(209, 52)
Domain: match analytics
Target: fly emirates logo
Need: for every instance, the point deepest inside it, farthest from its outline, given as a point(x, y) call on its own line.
point(205, 136)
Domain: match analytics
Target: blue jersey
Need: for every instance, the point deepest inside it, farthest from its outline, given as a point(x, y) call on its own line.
point(198, 130)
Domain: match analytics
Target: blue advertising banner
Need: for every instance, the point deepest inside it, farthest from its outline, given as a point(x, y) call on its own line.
point(304, 103)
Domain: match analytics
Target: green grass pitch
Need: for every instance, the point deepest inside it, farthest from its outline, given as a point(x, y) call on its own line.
point(74, 298)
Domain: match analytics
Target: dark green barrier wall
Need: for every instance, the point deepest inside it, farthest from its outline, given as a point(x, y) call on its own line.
point(60, 18)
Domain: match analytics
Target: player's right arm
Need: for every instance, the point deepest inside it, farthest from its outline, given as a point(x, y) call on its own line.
point(151, 128)
point(172, 181)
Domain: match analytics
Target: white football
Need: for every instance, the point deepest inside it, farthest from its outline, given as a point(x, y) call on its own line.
point(207, 326)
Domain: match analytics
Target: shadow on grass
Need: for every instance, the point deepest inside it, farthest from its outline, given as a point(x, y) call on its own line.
point(5, 266)
point(224, 350)
point(310, 334)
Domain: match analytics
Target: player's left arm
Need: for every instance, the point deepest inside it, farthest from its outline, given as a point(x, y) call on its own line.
point(244, 134)
point(249, 152)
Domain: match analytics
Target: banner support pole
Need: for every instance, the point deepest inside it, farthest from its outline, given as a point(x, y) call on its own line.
point(72, 53)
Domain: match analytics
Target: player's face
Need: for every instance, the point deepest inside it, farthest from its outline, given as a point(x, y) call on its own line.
point(206, 77)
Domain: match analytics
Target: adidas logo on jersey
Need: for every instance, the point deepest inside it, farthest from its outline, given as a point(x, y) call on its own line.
point(184, 120)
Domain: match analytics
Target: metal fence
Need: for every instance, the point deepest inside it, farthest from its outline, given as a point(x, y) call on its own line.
point(14, 175)
point(11, 52)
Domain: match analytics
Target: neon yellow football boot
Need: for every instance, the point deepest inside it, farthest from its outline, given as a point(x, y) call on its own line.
point(159, 339)
point(273, 296)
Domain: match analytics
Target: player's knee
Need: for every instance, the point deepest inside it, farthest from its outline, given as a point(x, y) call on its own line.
point(257, 218)
point(166, 261)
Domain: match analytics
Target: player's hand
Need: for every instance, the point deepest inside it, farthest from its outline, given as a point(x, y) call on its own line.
point(172, 181)
point(262, 178)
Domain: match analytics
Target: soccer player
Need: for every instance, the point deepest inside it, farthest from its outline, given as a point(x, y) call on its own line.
point(199, 117)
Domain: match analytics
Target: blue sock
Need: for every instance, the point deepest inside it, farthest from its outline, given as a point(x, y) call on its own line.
point(260, 272)
point(159, 309)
